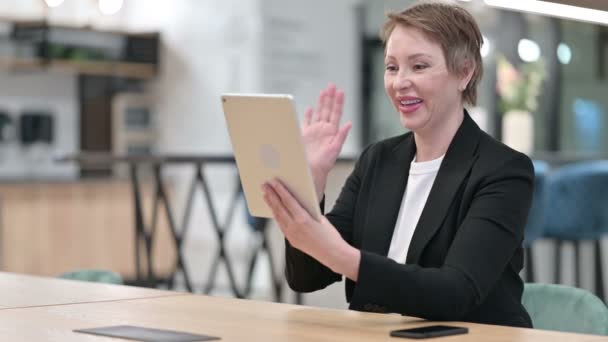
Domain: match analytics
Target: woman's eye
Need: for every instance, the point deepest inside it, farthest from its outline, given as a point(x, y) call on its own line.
point(391, 67)
point(420, 66)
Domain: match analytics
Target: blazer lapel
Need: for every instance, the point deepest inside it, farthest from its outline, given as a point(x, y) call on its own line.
point(389, 185)
point(455, 166)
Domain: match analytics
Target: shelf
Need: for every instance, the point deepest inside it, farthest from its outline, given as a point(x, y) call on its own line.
point(22, 64)
point(142, 71)
point(35, 22)
point(40, 46)
point(117, 69)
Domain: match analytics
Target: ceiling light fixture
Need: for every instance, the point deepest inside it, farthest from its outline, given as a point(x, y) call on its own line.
point(528, 50)
point(110, 7)
point(485, 46)
point(553, 9)
point(564, 53)
point(53, 3)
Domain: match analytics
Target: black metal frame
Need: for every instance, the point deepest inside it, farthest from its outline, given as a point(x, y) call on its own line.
point(529, 264)
point(145, 234)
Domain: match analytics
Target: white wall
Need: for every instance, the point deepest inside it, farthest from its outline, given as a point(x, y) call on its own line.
point(26, 9)
point(375, 13)
point(208, 48)
point(307, 45)
point(211, 47)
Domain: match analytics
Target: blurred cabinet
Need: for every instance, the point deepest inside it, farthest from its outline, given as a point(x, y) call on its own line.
point(48, 229)
point(101, 64)
point(38, 45)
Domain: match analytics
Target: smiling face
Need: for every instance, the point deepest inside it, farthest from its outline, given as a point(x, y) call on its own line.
point(418, 82)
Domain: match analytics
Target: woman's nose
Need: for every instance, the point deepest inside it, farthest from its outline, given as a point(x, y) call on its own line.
point(402, 81)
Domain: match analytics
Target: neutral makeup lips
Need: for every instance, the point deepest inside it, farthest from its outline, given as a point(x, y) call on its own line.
point(409, 104)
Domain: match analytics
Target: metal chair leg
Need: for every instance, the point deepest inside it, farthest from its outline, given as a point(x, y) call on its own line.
point(558, 261)
point(529, 265)
point(577, 263)
point(599, 276)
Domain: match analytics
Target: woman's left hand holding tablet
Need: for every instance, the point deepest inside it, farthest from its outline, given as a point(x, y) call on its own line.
point(317, 238)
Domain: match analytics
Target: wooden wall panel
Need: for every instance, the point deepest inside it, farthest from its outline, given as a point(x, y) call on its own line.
point(48, 229)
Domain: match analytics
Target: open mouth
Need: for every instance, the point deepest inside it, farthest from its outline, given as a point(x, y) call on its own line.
point(410, 105)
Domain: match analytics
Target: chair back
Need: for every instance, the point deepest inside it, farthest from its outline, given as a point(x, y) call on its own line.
point(576, 206)
point(565, 308)
point(96, 276)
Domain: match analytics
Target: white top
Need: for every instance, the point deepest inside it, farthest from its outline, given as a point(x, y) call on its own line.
point(421, 178)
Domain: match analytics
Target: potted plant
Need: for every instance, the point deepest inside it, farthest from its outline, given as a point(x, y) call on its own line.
point(518, 90)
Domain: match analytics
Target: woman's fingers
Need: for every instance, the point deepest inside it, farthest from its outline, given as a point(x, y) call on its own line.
point(273, 200)
point(342, 134)
point(290, 203)
point(318, 114)
point(328, 104)
point(338, 106)
point(308, 116)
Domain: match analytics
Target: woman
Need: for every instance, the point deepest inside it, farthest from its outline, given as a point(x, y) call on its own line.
point(429, 223)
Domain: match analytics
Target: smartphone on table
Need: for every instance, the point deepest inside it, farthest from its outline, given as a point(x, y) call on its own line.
point(429, 331)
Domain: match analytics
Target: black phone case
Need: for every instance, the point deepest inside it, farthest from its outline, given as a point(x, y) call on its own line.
point(418, 335)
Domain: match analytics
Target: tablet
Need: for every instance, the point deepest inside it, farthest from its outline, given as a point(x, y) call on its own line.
point(135, 333)
point(267, 144)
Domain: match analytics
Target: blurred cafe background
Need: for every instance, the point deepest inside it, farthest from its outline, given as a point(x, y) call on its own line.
point(114, 153)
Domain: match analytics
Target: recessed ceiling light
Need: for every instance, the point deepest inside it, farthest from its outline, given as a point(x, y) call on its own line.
point(109, 7)
point(553, 9)
point(528, 50)
point(53, 3)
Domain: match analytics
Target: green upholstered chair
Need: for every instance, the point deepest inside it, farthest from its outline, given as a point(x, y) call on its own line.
point(97, 276)
point(565, 308)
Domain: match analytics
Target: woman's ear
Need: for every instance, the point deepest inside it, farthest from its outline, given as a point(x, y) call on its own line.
point(467, 71)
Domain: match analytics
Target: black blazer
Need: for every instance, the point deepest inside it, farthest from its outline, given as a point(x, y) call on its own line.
point(465, 256)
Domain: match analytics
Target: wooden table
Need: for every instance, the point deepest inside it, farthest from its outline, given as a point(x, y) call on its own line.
point(238, 320)
point(18, 291)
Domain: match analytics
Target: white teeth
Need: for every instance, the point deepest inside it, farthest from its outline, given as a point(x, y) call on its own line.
point(410, 102)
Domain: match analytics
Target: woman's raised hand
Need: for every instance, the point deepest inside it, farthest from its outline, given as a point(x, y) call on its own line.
point(323, 137)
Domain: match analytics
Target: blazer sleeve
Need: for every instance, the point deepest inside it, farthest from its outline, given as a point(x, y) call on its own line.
point(306, 274)
point(484, 244)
